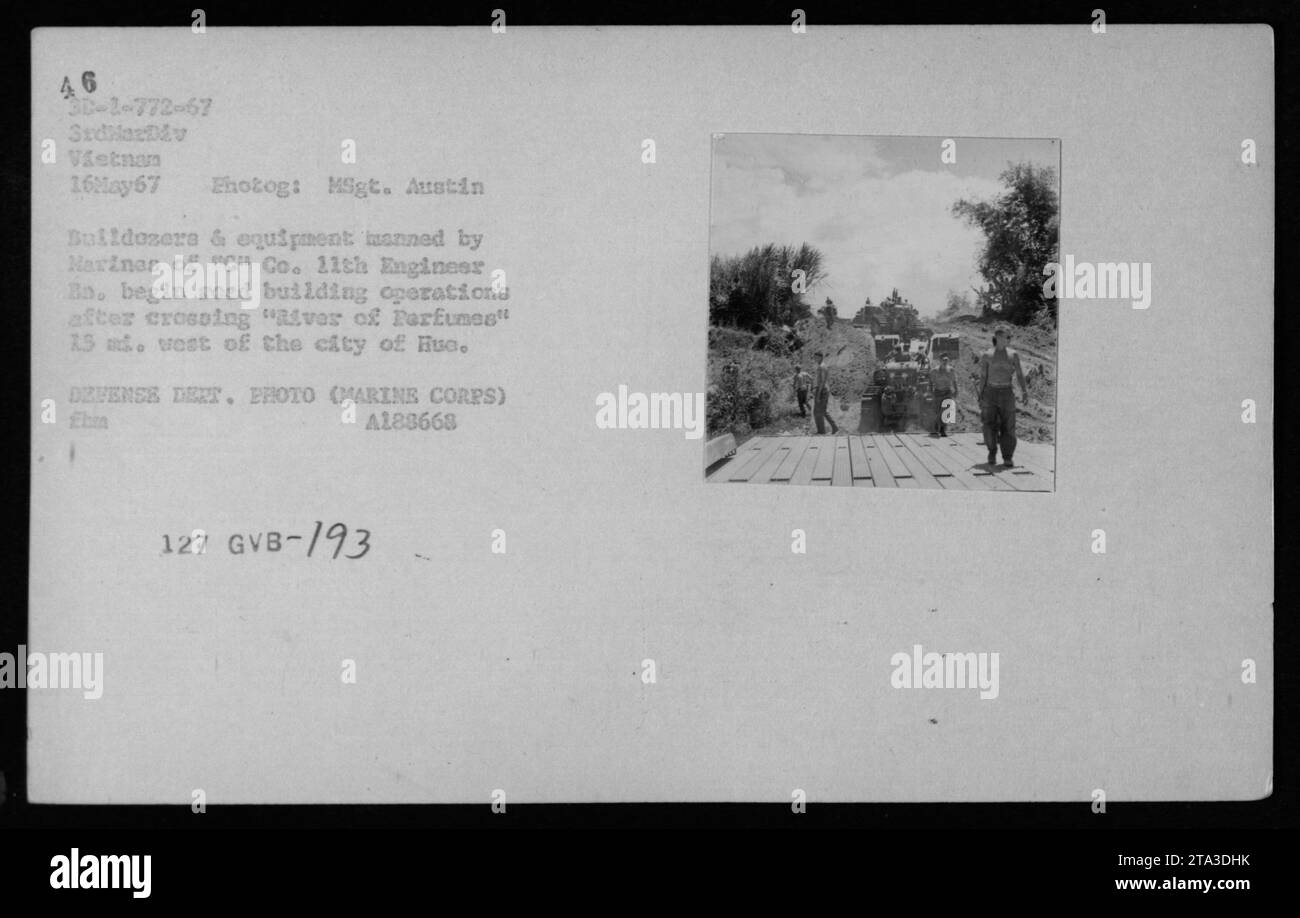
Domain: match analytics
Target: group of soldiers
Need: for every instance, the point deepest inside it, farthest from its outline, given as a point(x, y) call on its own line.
point(999, 367)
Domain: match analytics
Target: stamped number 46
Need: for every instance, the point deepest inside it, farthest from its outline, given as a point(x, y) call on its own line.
point(87, 83)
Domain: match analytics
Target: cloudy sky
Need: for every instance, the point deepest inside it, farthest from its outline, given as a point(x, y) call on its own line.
point(879, 208)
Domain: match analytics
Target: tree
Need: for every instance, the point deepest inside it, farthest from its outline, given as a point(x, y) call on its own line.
point(958, 304)
point(766, 284)
point(1020, 229)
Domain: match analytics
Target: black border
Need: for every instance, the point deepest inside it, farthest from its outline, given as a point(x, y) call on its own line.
point(1278, 811)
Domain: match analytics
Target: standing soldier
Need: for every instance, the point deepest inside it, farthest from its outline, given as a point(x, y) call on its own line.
point(801, 383)
point(945, 388)
point(998, 400)
point(822, 397)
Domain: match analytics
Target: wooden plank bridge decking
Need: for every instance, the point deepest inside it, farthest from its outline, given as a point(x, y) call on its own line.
point(903, 460)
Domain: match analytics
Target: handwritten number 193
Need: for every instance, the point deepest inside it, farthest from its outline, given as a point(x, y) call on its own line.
point(339, 532)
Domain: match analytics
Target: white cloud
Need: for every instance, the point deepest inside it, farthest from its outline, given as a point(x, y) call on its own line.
point(876, 231)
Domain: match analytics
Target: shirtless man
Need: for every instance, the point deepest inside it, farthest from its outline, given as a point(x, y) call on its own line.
point(998, 400)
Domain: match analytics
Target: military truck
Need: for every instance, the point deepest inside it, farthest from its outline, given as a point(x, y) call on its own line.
point(900, 395)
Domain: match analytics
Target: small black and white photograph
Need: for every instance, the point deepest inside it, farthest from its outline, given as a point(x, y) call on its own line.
point(878, 313)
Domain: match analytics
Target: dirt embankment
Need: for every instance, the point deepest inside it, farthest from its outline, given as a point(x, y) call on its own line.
point(851, 358)
point(1035, 421)
point(850, 355)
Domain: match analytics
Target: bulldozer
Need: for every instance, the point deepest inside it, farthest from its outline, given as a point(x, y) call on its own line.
point(900, 396)
point(940, 345)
